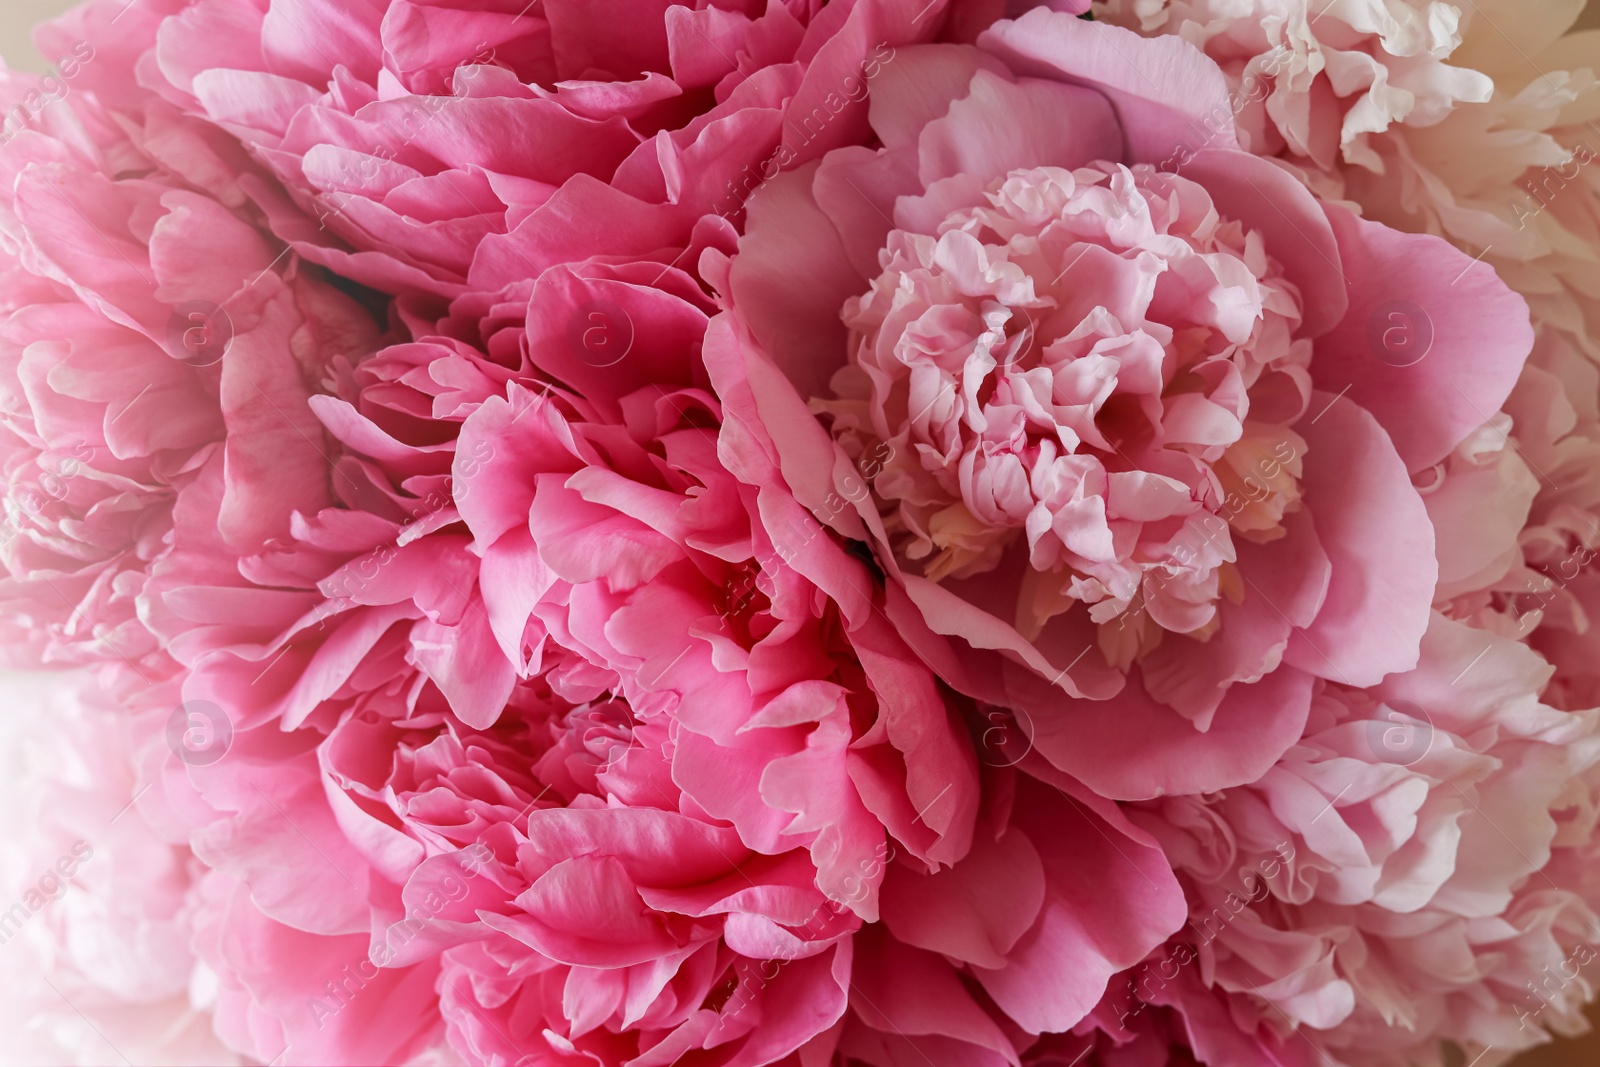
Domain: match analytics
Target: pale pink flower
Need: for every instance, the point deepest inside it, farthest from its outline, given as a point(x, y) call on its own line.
point(152, 339)
point(1330, 86)
point(96, 908)
point(1398, 877)
point(1475, 122)
point(1127, 433)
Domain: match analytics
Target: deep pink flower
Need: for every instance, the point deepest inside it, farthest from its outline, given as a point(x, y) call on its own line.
point(542, 634)
point(443, 149)
point(1119, 419)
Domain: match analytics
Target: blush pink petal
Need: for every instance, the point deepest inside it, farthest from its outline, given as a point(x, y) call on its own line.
point(964, 142)
point(1291, 575)
point(1417, 283)
point(279, 836)
point(467, 665)
point(1244, 186)
point(1166, 94)
point(269, 971)
point(1129, 748)
point(1376, 533)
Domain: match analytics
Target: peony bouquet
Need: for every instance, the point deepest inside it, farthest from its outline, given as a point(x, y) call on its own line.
point(826, 533)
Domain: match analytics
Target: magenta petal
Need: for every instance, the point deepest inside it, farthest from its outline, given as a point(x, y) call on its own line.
point(658, 848)
point(772, 418)
point(586, 911)
point(561, 230)
point(909, 992)
point(513, 581)
point(467, 665)
point(848, 47)
point(503, 446)
point(614, 39)
point(608, 336)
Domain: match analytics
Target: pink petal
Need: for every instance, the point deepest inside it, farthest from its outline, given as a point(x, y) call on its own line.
point(1376, 532)
point(1404, 288)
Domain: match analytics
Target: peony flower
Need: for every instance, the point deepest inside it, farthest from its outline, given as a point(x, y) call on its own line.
point(1395, 879)
point(152, 338)
point(441, 151)
point(95, 903)
point(1058, 889)
point(1361, 101)
point(741, 708)
point(1114, 430)
point(534, 615)
point(868, 532)
point(1330, 87)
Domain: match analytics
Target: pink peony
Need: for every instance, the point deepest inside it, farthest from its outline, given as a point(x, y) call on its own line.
point(864, 532)
point(443, 149)
point(152, 339)
point(1418, 867)
point(1115, 430)
point(1019, 940)
point(1391, 880)
point(92, 900)
point(750, 752)
point(1390, 106)
point(537, 619)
